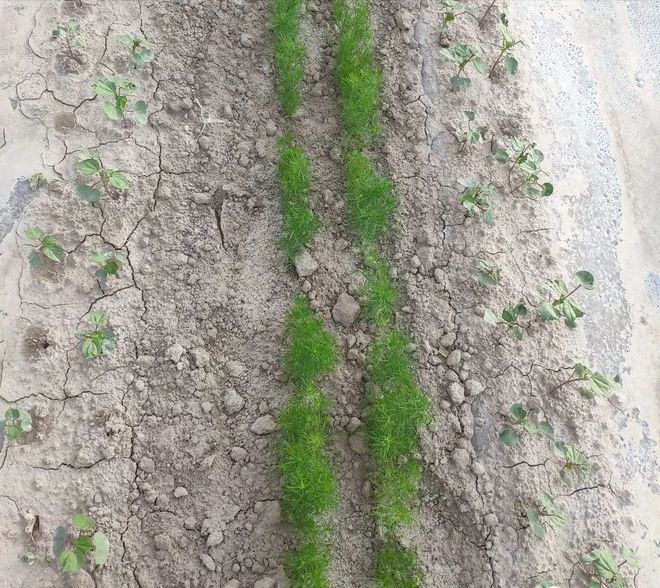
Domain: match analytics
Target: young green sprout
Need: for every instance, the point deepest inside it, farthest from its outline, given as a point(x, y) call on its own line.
point(72, 549)
point(470, 135)
point(590, 383)
point(604, 571)
point(463, 55)
point(575, 466)
point(454, 9)
point(508, 319)
point(37, 181)
point(489, 274)
point(16, 422)
point(523, 156)
point(69, 33)
point(100, 339)
point(116, 88)
point(109, 263)
point(561, 303)
point(476, 199)
point(107, 178)
point(139, 46)
point(506, 48)
point(46, 247)
point(519, 417)
point(544, 515)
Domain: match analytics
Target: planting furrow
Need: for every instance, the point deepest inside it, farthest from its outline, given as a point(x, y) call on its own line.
point(396, 405)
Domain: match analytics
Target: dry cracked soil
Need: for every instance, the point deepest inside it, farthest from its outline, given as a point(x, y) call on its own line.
point(169, 441)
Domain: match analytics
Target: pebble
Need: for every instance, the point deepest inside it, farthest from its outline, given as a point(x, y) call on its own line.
point(353, 424)
point(233, 401)
point(215, 538)
point(474, 387)
point(265, 583)
point(460, 457)
point(346, 310)
point(208, 561)
point(264, 425)
point(454, 358)
point(456, 393)
point(238, 453)
point(180, 492)
point(174, 352)
point(305, 264)
point(246, 40)
point(200, 357)
point(404, 19)
point(271, 128)
point(448, 339)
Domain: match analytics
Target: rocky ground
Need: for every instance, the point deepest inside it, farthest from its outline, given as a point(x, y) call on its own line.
point(168, 442)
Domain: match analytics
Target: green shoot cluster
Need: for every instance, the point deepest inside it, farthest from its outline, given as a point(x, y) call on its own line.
point(309, 485)
point(289, 53)
point(396, 567)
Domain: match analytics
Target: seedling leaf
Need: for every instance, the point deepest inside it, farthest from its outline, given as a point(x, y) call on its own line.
point(83, 521)
point(586, 279)
point(59, 541)
point(71, 561)
point(88, 193)
point(535, 524)
point(101, 548)
point(140, 112)
point(509, 437)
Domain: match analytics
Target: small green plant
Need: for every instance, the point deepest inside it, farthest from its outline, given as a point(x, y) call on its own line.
point(602, 569)
point(108, 262)
point(379, 291)
point(72, 549)
point(289, 52)
point(489, 274)
point(522, 155)
point(470, 135)
point(454, 9)
point(108, 178)
point(116, 88)
point(575, 466)
point(506, 48)
point(16, 422)
point(307, 565)
point(544, 515)
point(397, 567)
point(561, 304)
point(590, 383)
point(476, 200)
point(46, 247)
point(100, 339)
point(463, 55)
point(519, 417)
point(37, 181)
point(141, 52)
point(69, 33)
point(508, 319)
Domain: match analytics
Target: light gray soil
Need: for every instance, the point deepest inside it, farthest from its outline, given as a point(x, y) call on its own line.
point(167, 441)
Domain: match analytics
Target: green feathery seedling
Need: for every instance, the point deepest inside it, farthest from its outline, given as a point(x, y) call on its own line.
point(509, 319)
point(379, 291)
point(370, 198)
point(454, 9)
point(37, 181)
point(560, 303)
point(506, 48)
point(108, 262)
point(476, 199)
point(71, 550)
point(47, 247)
point(590, 383)
point(602, 569)
point(470, 135)
point(518, 416)
point(396, 487)
point(359, 80)
point(107, 178)
point(289, 53)
point(138, 44)
point(544, 515)
point(489, 274)
point(526, 158)
point(115, 87)
point(16, 422)
point(307, 565)
point(397, 567)
point(300, 224)
point(70, 34)
point(101, 339)
point(463, 55)
point(575, 466)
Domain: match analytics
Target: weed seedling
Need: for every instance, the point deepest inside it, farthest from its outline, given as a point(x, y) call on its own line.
point(470, 135)
point(37, 181)
point(72, 549)
point(561, 304)
point(489, 274)
point(289, 53)
point(575, 466)
point(463, 55)
point(397, 567)
point(116, 87)
point(523, 156)
point(109, 263)
point(46, 247)
point(544, 515)
point(139, 46)
point(589, 382)
point(69, 33)
point(101, 339)
point(15, 423)
point(509, 319)
point(453, 10)
point(108, 178)
point(519, 417)
point(603, 570)
point(506, 48)
point(476, 200)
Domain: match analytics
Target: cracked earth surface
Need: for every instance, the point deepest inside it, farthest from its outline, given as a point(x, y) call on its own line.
point(157, 441)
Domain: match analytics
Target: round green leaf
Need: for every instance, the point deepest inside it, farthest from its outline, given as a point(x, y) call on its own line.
point(509, 437)
point(71, 561)
point(112, 111)
point(88, 193)
point(547, 312)
point(118, 180)
point(535, 524)
point(586, 279)
point(83, 521)
point(101, 548)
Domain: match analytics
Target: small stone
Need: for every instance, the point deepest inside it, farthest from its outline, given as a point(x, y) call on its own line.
point(264, 425)
point(190, 523)
point(232, 584)
point(146, 464)
point(180, 492)
point(353, 424)
point(491, 520)
point(208, 561)
point(246, 40)
point(271, 128)
point(201, 198)
point(460, 457)
point(174, 352)
point(437, 275)
point(425, 256)
point(207, 407)
point(305, 264)
point(474, 387)
point(215, 538)
point(448, 339)
point(186, 104)
point(404, 19)
point(346, 310)
point(454, 358)
point(352, 354)
point(235, 369)
point(233, 401)
point(478, 468)
point(456, 393)
point(200, 357)
point(265, 583)
point(238, 453)
point(357, 443)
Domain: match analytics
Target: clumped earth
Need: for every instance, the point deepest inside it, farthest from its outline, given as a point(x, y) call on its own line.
point(166, 443)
